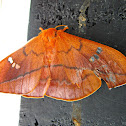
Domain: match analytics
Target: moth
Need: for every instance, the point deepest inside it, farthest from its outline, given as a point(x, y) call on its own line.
point(61, 66)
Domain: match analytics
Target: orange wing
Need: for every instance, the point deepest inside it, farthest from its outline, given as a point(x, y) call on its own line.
point(80, 63)
point(20, 72)
point(61, 66)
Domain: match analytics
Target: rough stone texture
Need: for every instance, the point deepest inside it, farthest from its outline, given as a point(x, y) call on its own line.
point(103, 21)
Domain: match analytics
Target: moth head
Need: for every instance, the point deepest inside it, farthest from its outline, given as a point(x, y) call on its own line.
point(52, 32)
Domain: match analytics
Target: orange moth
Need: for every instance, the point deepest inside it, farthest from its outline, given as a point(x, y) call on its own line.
point(61, 66)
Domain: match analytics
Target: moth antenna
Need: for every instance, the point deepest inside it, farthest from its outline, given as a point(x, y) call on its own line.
point(65, 27)
point(40, 28)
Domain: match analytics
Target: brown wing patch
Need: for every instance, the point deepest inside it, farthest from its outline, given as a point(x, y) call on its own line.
point(66, 90)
